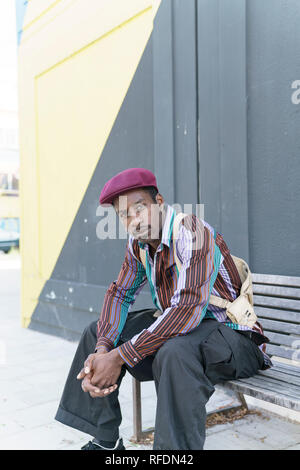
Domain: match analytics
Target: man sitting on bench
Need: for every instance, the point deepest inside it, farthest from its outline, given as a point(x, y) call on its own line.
point(186, 348)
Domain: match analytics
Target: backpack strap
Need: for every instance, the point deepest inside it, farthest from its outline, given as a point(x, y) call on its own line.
point(246, 278)
point(246, 287)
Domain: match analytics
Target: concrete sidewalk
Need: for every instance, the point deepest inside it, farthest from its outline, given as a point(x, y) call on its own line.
point(33, 370)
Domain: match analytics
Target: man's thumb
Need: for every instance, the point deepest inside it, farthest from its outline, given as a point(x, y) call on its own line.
point(88, 365)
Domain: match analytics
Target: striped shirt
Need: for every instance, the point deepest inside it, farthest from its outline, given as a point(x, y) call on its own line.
point(182, 297)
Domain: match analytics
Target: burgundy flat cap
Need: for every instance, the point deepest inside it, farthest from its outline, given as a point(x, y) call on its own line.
point(124, 181)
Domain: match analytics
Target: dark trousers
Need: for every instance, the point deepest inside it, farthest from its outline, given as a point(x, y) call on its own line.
point(185, 370)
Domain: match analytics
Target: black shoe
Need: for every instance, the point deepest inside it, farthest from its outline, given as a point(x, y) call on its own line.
point(94, 446)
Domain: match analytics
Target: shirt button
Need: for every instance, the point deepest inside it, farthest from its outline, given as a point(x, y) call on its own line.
point(135, 359)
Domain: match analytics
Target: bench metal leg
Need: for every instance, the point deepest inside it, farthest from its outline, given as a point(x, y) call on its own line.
point(138, 434)
point(242, 400)
point(137, 410)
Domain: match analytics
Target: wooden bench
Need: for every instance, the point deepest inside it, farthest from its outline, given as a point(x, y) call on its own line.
point(277, 305)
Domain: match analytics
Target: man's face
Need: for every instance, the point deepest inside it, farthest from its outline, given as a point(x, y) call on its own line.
point(140, 215)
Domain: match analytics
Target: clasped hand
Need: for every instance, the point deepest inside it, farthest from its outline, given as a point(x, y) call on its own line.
point(100, 373)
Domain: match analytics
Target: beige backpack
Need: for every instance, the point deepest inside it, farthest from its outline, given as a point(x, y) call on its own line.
point(241, 309)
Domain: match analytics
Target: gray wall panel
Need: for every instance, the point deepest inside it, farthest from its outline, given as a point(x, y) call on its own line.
point(273, 63)
point(209, 110)
point(175, 101)
point(223, 120)
point(163, 103)
point(185, 102)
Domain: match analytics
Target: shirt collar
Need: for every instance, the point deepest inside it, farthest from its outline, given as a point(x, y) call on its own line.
point(167, 229)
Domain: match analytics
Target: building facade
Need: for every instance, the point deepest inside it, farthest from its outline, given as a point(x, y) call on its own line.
point(205, 93)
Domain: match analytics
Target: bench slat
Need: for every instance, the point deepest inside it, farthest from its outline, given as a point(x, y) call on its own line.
point(262, 394)
point(275, 386)
point(287, 368)
point(280, 376)
point(280, 326)
point(286, 315)
point(276, 280)
point(286, 340)
point(277, 302)
point(277, 291)
point(289, 390)
point(283, 351)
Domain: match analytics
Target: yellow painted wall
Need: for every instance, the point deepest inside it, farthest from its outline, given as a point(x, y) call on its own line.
point(76, 61)
point(9, 206)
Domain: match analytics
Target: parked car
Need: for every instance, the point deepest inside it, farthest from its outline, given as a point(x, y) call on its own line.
point(9, 234)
